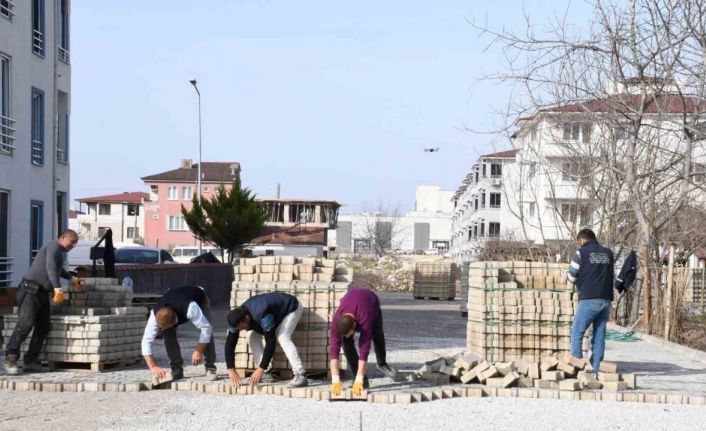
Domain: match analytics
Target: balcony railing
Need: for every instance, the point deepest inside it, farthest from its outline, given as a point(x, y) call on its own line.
point(7, 8)
point(6, 270)
point(7, 135)
point(38, 42)
point(61, 156)
point(494, 206)
point(63, 54)
point(37, 152)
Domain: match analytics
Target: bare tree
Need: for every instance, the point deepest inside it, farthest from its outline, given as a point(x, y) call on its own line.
point(381, 230)
point(629, 93)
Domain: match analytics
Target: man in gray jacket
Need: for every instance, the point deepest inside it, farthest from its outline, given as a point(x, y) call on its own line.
point(34, 310)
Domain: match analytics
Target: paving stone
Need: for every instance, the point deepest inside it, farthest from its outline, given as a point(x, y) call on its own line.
point(608, 367)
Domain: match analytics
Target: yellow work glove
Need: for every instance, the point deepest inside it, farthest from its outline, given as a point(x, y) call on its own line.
point(58, 296)
point(336, 386)
point(76, 282)
point(357, 389)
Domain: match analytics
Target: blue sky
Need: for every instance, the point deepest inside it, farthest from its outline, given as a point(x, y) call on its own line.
point(331, 99)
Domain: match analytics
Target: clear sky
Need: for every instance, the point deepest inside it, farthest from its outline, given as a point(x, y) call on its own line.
point(331, 99)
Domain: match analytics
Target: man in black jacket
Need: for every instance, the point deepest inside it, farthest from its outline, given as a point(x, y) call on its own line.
point(591, 269)
point(274, 316)
point(180, 305)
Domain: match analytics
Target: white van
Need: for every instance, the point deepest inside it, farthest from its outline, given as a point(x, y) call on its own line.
point(184, 254)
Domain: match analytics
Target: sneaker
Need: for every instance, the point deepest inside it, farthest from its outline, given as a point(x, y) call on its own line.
point(211, 375)
point(299, 381)
point(388, 371)
point(32, 367)
point(11, 365)
point(177, 374)
point(268, 378)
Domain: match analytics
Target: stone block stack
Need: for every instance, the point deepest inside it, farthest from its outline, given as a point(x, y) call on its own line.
point(95, 328)
point(519, 310)
point(314, 285)
point(435, 280)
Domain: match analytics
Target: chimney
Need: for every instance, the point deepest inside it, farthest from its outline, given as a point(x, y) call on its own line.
point(186, 164)
point(279, 190)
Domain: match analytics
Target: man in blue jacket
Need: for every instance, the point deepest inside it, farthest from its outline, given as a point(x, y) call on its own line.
point(591, 270)
point(273, 316)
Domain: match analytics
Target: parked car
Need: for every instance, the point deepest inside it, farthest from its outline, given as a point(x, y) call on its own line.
point(184, 254)
point(142, 255)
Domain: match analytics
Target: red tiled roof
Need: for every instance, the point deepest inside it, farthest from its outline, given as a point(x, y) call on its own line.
point(668, 104)
point(509, 154)
point(211, 172)
point(125, 197)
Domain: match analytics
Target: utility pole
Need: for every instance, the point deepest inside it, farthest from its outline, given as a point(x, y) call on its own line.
point(198, 173)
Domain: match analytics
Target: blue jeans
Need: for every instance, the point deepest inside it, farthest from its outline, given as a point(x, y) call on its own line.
point(590, 312)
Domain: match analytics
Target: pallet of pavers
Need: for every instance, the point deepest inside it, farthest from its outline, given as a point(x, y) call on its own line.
point(463, 270)
point(434, 280)
point(319, 299)
point(519, 310)
point(95, 328)
point(267, 269)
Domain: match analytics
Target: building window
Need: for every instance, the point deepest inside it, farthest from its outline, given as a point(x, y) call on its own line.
point(7, 124)
point(154, 193)
point(36, 226)
point(172, 193)
point(62, 144)
point(63, 51)
point(496, 170)
point(578, 131)
point(177, 223)
point(5, 267)
point(205, 189)
point(484, 170)
point(133, 232)
point(38, 39)
point(102, 231)
point(103, 209)
point(570, 171)
point(37, 127)
point(133, 209)
point(482, 230)
point(493, 230)
point(475, 231)
point(531, 209)
point(187, 193)
point(482, 200)
point(495, 200)
point(6, 9)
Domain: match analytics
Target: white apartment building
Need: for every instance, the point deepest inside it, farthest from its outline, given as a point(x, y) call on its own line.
point(35, 90)
point(427, 228)
point(480, 206)
point(123, 213)
point(548, 190)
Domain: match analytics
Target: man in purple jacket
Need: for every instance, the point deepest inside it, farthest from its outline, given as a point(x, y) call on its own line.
point(359, 312)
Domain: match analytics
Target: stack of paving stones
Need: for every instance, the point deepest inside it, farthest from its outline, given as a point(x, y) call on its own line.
point(463, 278)
point(319, 298)
point(435, 280)
point(520, 310)
point(563, 372)
point(95, 328)
point(267, 269)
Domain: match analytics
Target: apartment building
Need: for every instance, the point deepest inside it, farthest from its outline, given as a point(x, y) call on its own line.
point(123, 213)
point(35, 94)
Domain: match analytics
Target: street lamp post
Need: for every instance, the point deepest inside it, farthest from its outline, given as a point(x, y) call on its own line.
point(198, 173)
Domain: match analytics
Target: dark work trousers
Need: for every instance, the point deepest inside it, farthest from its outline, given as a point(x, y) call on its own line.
point(34, 312)
point(176, 362)
point(378, 344)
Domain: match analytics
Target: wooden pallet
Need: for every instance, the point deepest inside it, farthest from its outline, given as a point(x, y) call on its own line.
point(434, 298)
point(94, 367)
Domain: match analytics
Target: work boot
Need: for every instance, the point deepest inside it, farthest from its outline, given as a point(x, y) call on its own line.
point(388, 371)
point(211, 375)
point(299, 381)
point(177, 373)
point(11, 364)
point(32, 367)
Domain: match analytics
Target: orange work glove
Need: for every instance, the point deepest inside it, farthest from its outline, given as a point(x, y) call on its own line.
point(58, 296)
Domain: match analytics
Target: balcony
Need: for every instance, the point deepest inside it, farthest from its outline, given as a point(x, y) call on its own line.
point(37, 152)
point(63, 54)
point(7, 135)
point(38, 42)
point(6, 270)
point(7, 9)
